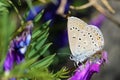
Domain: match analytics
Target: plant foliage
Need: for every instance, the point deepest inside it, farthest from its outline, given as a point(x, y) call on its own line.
point(35, 65)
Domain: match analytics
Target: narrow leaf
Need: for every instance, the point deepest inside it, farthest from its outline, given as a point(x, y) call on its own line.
point(45, 62)
point(44, 48)
point(38, 17)
point(45, 25)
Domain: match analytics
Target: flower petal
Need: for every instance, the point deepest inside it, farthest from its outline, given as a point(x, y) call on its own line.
point(85, 72)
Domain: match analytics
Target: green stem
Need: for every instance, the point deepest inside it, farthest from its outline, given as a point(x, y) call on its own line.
point(19, 16)
point(29, 2)
point(19, 2)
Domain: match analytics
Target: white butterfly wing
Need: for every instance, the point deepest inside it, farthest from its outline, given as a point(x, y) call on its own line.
point(84, 40)
point(89, 42)
point(98, 39)
point(74, 25)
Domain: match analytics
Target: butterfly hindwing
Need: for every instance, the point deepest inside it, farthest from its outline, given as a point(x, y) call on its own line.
point(97, 36)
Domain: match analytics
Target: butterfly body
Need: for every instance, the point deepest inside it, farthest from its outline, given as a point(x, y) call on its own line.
point(84, 40)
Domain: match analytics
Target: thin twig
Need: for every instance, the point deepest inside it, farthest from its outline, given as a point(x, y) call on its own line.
point(43, 1)
point(108, 15)
point(16, 10)
point(87, 5)
point(95, 4)
point(105, 2)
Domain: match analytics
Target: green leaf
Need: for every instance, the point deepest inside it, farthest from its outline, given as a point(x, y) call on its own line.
point(38, 17)
point(29, 2)
point(37, 46)
point(3, 8)
point(19, 69)
point(39, 74)
point(62, 73)
point(5, 3)
point(45, 25)
point(41, 51)
point(40, 35)
point(37, 29)
point(36, 33)
point(5, 35)
point(45, 48)
point(19, 2)
point(31, 53)
point(42, 27)
point(44, 63)
point(41, 41)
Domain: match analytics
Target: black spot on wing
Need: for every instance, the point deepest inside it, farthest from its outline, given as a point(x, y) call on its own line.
point(70, 28)
point(79, 38)
point(74, 37)
point(78, 45)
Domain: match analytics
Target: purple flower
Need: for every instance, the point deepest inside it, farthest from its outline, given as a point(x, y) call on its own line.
point(51, 10)
point(85, 72)
point(18, 47)
point(98, 20)
point(35, 10)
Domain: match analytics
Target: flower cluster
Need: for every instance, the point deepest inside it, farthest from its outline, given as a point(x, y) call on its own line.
point(18, 47)
point(51, 10)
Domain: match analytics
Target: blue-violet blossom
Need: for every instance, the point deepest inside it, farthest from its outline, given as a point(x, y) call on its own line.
point(85, 72)
point(51, 10)
point(18, 47)
point(98, 20)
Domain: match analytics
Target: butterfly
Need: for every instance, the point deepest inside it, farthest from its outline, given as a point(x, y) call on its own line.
point(84, 40)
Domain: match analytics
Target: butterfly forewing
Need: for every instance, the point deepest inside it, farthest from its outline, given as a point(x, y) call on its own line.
point(74, 26)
